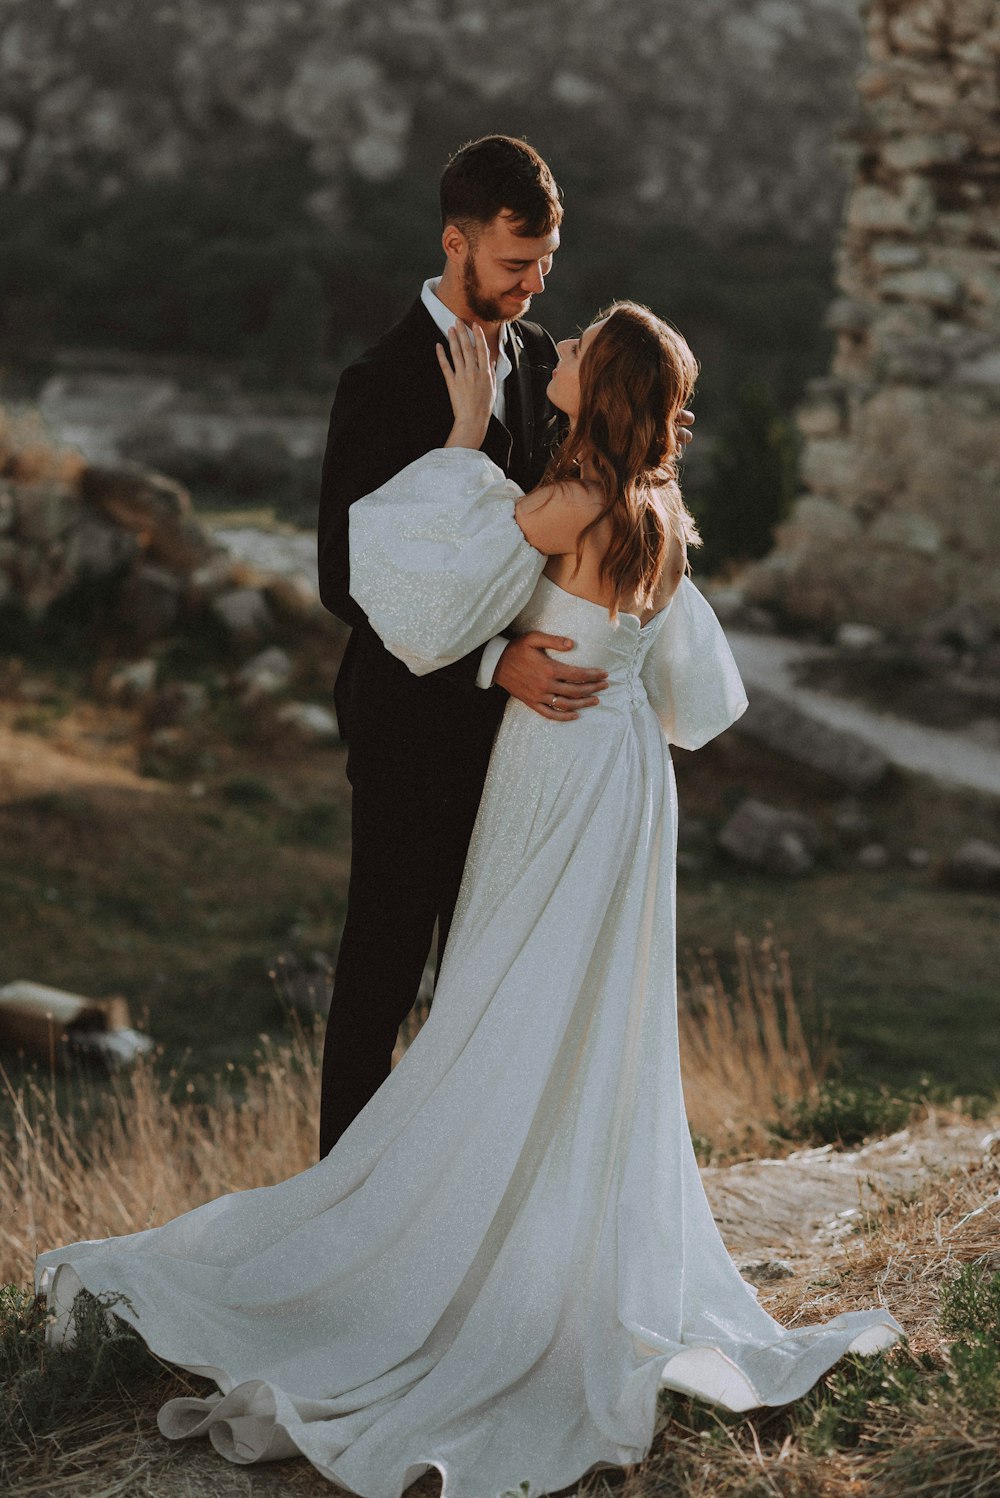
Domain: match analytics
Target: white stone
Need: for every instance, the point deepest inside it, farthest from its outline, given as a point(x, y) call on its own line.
point(984, 371)
point(852, 636)
point(820, 419)
point(134, 681)
point(908, 529)
point(936, 288)
point(874, 208)
point(313, 722)
point(830, 465)
point(892, 255)
point(268, 673)
point(915, 152)
point(242, 611)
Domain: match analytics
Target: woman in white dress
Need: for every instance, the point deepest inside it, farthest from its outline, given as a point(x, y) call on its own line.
point(509, 1251)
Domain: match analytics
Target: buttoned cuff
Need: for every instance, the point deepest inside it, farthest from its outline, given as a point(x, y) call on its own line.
point(492, 651)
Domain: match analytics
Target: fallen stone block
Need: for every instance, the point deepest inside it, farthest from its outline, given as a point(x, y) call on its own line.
point(316, 724)
point(975, 865)
point(57, 1027)
point(789, 729)
point(771, 838)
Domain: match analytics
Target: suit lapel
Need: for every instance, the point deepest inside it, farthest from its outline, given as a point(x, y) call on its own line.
point(520, 403)
point(497, 443)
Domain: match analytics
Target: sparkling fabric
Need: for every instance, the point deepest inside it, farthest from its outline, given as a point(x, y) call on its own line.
point(509, 1252)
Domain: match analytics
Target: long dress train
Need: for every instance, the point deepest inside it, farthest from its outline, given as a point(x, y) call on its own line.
point(509, 1252)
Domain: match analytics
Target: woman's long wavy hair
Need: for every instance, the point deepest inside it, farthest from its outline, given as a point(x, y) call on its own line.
point(636, 377)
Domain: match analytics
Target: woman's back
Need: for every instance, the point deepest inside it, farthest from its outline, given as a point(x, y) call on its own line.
point(553, 518)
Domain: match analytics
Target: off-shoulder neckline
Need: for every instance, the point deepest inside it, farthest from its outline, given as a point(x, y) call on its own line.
point(622, 613)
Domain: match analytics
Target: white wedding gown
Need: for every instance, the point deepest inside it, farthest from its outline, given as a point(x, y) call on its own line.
point(509, 1252)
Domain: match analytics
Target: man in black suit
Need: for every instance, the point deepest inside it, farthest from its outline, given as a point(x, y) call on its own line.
point(419, 746)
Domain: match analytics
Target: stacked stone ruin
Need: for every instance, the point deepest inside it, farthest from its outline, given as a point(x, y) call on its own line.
point(900, 521)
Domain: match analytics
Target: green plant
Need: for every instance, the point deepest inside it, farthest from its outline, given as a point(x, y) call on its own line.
point(42, 1387)
point(838, 1112)
point(753, 473)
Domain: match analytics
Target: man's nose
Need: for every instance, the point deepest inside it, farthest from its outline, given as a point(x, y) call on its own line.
point(534, 281)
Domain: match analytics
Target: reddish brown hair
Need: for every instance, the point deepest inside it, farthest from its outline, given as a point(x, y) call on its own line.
point(636, 377)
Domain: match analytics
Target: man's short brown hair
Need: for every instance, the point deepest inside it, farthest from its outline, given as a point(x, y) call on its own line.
point(495, 173)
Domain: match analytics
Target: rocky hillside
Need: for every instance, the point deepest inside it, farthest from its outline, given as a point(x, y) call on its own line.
point(258, 180)
point(720, 118)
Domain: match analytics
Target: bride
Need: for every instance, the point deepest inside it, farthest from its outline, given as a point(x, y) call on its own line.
point(509, 1252)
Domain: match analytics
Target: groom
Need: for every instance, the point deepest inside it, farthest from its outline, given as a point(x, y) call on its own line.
point(419, 746)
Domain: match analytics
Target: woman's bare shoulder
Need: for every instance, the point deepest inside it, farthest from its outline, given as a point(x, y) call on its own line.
point(567, 494)
point(553, 515)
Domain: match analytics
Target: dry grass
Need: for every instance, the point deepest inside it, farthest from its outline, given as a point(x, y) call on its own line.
point(116, 1163)
point(120, 1162)
point(744, 1049)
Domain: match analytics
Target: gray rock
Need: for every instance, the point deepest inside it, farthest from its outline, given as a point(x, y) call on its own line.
point(149, 604)
point(45, 511)
point(937, 288)
point(909, 530)
point(268, 673)
point(153, 507)
point(975, 865)
point(852, 821)
point(314, 723)
point(133, 682)
point(873, 856)
point(918, 858)
point(304, 984)
point(983, 372)
point(96, 549)
point(770, 838)
point(892, 255)
point(783, 726)
point(243, 612)
point(857, 637)
point(964, 625)
point(8, 511)
point(767, 1271)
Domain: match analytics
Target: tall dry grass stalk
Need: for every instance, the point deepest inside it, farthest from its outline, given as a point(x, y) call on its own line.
point(744, 1051)
point(140, 1153)
point(121, 1160)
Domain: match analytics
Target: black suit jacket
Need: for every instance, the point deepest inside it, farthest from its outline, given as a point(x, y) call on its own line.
point(391, 407)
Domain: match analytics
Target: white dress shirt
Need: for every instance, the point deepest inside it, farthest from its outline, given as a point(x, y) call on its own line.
point(446, 320)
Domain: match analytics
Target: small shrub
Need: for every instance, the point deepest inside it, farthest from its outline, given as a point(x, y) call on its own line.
point(853, 1395)
point(839, 1113)
point(43, 1387)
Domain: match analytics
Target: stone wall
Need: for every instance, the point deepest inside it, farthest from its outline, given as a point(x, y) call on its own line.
point(901, 462)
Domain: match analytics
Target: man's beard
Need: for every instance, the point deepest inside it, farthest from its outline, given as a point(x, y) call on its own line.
point(487, 309)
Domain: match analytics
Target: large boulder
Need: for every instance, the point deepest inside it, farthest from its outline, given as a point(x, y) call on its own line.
point(154, 508)
point(771, 838)
point(782, 725)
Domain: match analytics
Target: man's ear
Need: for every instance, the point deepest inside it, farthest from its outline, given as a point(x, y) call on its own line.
point(454, 243)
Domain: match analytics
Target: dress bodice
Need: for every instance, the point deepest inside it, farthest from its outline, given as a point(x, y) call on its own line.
point(439, 564)
point(618, 646)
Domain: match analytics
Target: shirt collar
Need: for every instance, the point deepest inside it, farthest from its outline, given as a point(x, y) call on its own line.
point(446, 320)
